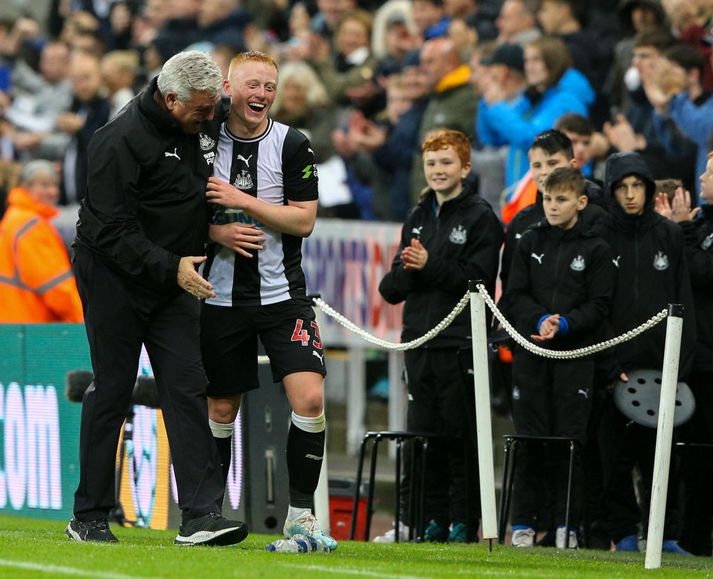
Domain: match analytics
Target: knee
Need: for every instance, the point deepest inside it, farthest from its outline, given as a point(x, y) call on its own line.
point(223, 410)
point(311, 404)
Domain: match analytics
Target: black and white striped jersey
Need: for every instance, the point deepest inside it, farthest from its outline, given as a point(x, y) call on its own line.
point(276, 167)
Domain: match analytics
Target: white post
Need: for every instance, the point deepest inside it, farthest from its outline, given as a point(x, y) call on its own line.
point(397, 396)
point(321, 495)
point(484, 426)
point(356, 399)
point(664, 434)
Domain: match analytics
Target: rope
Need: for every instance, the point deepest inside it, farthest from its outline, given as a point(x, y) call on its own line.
point(460, 306)
point(568, 354)
point(349, 325)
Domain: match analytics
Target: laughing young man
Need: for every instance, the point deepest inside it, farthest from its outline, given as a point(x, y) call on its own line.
point(265, 179)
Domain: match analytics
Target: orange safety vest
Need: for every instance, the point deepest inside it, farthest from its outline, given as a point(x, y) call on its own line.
point(36, 281)
point(524, 195)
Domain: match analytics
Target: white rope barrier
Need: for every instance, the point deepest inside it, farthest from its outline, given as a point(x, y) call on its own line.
point(568, 354)
point(507, 326)
point(398, 346)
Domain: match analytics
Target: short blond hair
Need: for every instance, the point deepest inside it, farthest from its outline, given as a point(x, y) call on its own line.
point(252, 56)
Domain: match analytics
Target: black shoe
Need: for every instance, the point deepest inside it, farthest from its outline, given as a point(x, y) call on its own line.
point(211, 529)
point(90, 531)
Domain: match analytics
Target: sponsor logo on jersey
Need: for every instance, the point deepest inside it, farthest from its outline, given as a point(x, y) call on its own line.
point(308, 171)
point(537, 257)
point(577, 264)
point(661, 261)
point(244, 160)
point(209, 158)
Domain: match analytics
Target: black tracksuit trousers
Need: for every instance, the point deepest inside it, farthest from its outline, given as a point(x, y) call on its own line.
point(119, 317)
point(442, 401)
point(550, 398)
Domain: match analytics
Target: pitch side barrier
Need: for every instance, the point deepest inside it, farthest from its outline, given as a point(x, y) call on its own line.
point(478, 298)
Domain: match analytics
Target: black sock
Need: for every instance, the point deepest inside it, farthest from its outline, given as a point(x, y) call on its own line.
point(224, 451)
point(305, 451)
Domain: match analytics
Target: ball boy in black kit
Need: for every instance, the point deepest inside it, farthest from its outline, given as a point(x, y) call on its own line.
point(559, 293)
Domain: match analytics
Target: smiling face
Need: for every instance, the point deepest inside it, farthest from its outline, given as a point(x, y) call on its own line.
point(444, 172)
point(251, 86)
point(191, 114)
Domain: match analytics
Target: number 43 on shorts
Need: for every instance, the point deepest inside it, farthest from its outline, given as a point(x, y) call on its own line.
point(300, 334)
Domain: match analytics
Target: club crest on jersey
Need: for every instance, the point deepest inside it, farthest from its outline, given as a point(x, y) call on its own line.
point(243, 181)
point(206, 143)
point(577, 264)
point(458, 235)
point(661, 261)
point(707, 242)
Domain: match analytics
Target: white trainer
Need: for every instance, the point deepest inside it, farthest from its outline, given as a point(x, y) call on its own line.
point(560, 538)
point(308, 525)
point(523, 537)
point(390, 535)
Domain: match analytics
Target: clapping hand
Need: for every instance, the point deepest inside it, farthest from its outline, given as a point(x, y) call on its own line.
point(415, 256)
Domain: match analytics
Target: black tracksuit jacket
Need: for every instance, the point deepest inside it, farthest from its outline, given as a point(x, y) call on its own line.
point(145, 206)
point(463, 243)
point(652, 272)
point(567, 272)
point(698, 236)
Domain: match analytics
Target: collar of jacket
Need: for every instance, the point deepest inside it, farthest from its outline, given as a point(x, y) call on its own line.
point(21, 198)
point(429, 197)
point(157, 115)
point(454, 79)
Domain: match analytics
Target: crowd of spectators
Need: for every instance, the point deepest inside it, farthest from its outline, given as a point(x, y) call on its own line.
point(367, 80)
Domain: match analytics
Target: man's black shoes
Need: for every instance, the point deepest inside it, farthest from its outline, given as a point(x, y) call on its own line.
point(90, 531)
point(211, 529)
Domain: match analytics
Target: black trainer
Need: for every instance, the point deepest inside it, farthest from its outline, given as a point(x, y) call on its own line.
point(90, 531)
point(211, 529)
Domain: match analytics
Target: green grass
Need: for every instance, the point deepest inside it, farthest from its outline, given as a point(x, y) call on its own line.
point(33, 548)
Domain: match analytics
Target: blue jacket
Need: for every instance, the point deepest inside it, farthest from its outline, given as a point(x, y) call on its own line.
point(695, 122)
point(519, 121)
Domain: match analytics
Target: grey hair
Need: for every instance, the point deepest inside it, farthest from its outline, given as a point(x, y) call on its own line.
point(39, 167)
point(188, 72)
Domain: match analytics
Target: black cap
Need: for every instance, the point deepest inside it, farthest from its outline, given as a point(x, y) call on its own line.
point(510, 55)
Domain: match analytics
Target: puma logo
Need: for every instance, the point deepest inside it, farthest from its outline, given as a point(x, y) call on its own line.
point(174, 154)
point(244, 160)
point(320, 356)
point(616, 261)
point(584, 392)
point(313, 456)
point(537, 257)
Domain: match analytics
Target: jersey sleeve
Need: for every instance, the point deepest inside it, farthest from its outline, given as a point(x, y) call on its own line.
point(299, 171)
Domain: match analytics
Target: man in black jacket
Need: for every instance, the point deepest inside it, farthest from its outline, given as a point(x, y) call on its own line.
point(450, 237)
point(141, 230)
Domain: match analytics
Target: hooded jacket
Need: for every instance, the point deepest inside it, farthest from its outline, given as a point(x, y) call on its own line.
point(145, 206)
point(567, 272)
point(36, 281)
point(652, 272)
point(463, 242)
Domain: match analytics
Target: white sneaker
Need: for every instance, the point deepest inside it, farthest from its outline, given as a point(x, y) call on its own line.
point(308, 525)
point(560, 538)
point(390, 535)
point(523, 537)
